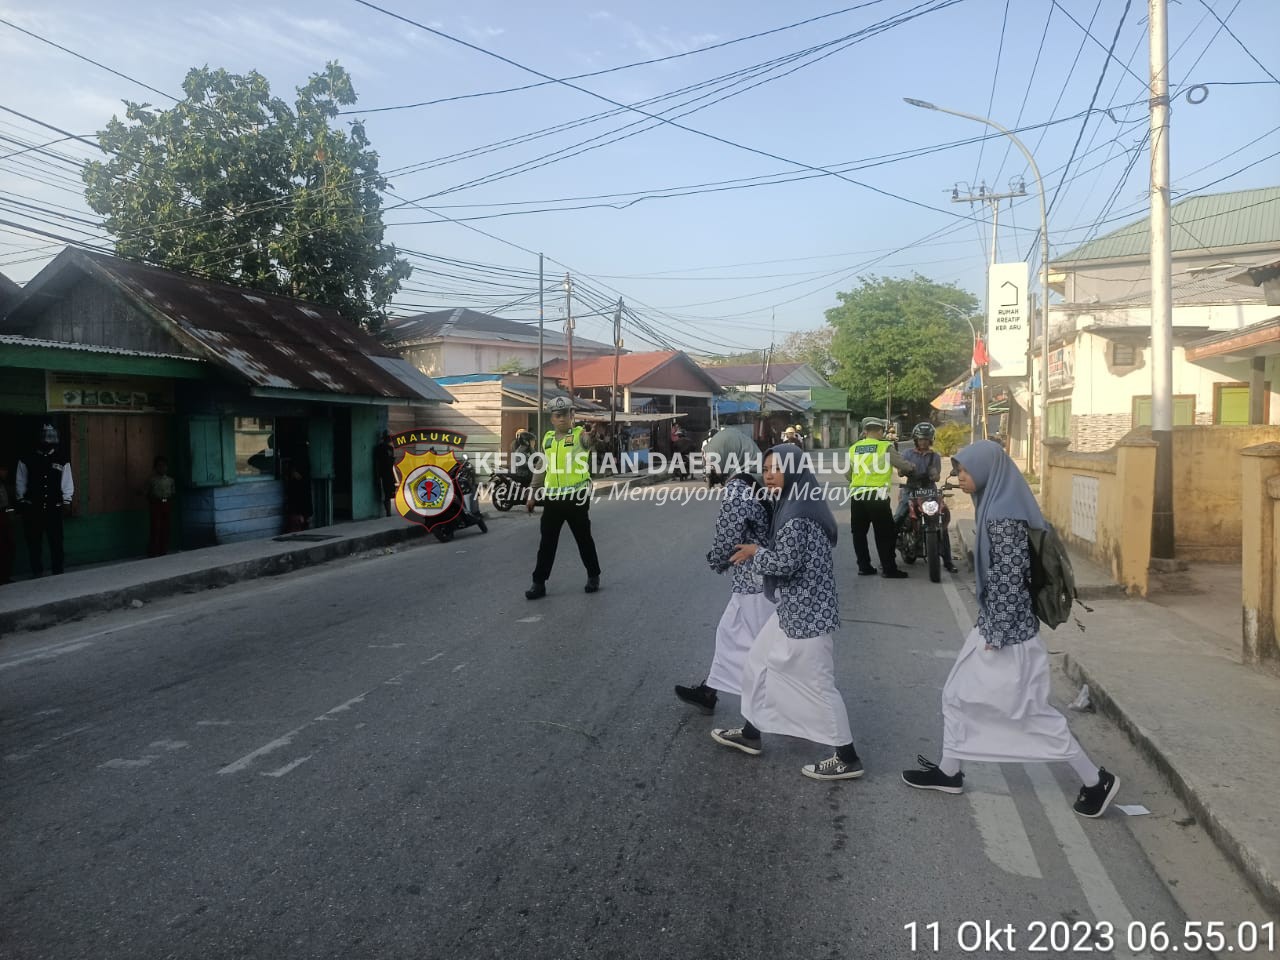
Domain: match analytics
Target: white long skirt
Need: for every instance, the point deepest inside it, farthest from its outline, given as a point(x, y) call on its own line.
point(789, 687)
point(995, 706)
point(739, 626)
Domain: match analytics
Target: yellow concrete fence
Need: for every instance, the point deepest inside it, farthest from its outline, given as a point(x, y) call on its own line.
point(1260, 565)
point(1101, 505)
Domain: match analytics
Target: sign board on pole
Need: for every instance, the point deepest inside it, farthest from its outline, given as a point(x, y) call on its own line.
point(1008, 319)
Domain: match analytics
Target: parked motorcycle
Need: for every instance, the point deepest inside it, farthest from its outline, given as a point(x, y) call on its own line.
point(507, 490)
point(921, 532)
point(464, 475)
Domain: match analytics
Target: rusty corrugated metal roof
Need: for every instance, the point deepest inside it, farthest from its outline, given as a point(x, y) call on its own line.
point(267, 340)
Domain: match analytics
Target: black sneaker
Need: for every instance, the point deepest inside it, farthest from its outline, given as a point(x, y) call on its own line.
point(734, 738)
point(538, 589)
point(833, 768)
point(593, 584)
point(894, 574)
point(930, 777)
point(1093, 801)
point(701, 696)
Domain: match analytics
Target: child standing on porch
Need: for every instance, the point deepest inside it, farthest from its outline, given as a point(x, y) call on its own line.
point(160, 492)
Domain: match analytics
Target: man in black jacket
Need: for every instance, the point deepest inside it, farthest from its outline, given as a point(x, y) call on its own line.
point(45, 488)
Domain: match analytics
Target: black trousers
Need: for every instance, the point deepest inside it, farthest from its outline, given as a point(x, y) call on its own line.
point(873, 513)
point(44, 522)
point(556, 512)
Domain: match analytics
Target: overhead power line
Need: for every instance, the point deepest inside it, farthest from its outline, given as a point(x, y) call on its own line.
point(942, 4)
point(1241, 43)
point(625, 66)
point(81, 56)
point(1124, 15)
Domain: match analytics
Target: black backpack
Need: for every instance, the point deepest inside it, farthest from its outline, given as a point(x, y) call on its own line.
point(1053, 583)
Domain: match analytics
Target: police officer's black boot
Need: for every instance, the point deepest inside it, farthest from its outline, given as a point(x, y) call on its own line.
point(539, 589)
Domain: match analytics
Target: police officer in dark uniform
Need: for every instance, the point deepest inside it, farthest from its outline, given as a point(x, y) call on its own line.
point(45, 488)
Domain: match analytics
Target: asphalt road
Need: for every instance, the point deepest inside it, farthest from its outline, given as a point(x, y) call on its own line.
point(402, 757)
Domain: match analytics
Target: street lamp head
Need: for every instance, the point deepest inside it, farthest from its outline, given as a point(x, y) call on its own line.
point(920, 103)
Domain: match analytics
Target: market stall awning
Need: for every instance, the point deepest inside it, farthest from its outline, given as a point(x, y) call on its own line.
point(620, 417)
point(950, 399)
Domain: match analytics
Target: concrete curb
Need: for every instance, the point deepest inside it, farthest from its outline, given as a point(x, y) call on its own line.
point(55, 612)
point(1264, 882)
point(52, 613)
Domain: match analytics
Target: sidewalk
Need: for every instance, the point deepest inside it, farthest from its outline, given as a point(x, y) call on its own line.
point(1167, 671)
point(35, 604)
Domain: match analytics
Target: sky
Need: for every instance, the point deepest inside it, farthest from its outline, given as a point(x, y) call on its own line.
point(710, 269)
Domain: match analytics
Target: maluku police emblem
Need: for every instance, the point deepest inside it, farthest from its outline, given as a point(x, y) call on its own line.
point(427, 491)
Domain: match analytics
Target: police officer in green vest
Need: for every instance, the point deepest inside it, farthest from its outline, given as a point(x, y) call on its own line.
point(563, 487)
point(872, 461)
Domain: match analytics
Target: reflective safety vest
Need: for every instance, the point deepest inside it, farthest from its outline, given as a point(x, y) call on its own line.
point(568, 462)
point(869, 465)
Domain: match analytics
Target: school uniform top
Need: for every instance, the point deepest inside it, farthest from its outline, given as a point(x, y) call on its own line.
point(800, 558)
point(742, 519)
point(161, 488)
point(1005, 614)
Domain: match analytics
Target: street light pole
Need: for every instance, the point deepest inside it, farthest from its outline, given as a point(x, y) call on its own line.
point(1044, 267)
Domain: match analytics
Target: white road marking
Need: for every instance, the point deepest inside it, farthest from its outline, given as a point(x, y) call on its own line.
point(284, 741)
point(993, 809)
point(1004, 835)
point(964, 619)
point(1104, 899)
point(80, 643)
point(120, 764)
point(48, 743)
point(533, 619)
point(49, 654)
point(288, 767)
point(262, 751)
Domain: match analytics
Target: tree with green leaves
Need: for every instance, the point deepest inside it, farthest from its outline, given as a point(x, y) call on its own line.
point(234, 184)
point(735, 359)
point(896, 331)
point(809, 346)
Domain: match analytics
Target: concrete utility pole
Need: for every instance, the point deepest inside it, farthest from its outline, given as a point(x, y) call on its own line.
point(764, 386)
point(994, 200)
point(542, 286)
point(617, 350)
point(1161, 287)
point(568, 325)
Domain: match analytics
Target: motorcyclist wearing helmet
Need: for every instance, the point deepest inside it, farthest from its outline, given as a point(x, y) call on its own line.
point(926, 475)
point(522, 450)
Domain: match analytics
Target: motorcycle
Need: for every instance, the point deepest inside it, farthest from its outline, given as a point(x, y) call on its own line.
point(921, 533)
point(507, 490)
point(464, 475)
